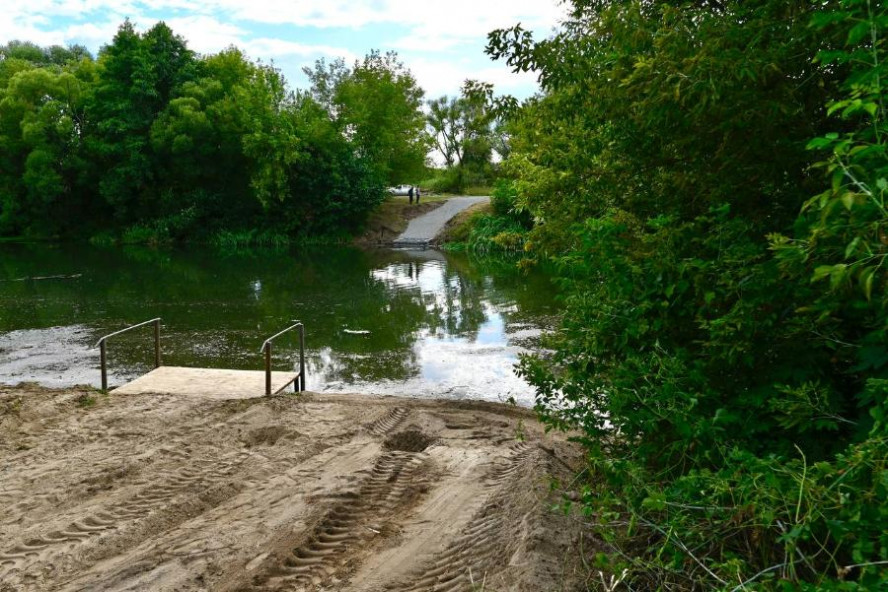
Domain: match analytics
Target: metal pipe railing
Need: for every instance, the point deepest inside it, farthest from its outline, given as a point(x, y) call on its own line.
point(103, 353)
point(299, 382)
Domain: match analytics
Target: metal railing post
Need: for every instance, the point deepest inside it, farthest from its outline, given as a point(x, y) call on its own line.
point(299, 382)
point(104, 357)
point(157, 343)
point(301, 357)
point(268, 369)
point(103, 352)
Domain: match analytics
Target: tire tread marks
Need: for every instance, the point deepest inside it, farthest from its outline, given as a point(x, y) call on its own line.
point(149, 499)
point(482, 547)
point(387, 422)
point(350, 524)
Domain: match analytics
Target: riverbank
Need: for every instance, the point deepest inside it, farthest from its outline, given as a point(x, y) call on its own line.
point(391, 218)
point(344, 492)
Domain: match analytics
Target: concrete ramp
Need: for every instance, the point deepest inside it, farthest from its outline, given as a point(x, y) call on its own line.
point(423, 230)
point(207, 382)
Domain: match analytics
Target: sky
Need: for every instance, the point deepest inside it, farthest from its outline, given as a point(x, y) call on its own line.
point(441, 42)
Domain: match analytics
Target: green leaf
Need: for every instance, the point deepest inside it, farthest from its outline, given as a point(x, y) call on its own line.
point(837, 177)
point(655, 502)
point(818, 143)
point(837, 275)
point(859, 32)
point(866, 281)
point(852, 247)
point(832, 109)
point(821, 272)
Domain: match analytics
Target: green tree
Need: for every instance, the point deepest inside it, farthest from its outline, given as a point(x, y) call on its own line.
point(42, 114)
point(723, 398)
point(154, 144)
point(444, 119)
point(333, 189)
point(378, 106)
point(198, 141)
point(138, 75)
point(43, 56)
point(309, 177)
point(461, 126)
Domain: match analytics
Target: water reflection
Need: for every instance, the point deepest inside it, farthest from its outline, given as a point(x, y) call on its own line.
point(417, 323)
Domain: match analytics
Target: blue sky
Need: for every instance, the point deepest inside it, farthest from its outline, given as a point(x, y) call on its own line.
point(442, 42)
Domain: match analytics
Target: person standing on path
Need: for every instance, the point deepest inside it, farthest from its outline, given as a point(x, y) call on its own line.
point(410, 194)
point(417, 195)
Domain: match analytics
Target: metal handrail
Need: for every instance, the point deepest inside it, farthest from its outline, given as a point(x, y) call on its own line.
point(103, 348)
point(299, 381)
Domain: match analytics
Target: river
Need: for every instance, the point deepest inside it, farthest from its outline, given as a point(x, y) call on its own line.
point(410, 323)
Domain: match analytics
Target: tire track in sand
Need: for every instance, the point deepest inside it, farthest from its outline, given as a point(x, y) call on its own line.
point(395, 480)
point(205, 472)
point(387, 422)
point(344, 492)
point(480, 548)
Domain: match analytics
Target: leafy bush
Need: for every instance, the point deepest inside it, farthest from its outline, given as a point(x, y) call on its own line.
point(489, 233)
point(730, 389)
point(444, 181)
point(249, 238)
point(458, 179)
point(504, 200)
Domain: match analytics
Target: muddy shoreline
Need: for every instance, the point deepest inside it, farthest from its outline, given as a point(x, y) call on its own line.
point(316, 492)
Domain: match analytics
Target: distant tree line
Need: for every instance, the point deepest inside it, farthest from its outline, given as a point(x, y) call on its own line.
point(150, 142)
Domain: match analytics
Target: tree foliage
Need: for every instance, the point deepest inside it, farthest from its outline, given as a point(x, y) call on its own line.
point(377, 104)
point(157, 143)
point(461, 127)
point(732, 401)
point(466, 130)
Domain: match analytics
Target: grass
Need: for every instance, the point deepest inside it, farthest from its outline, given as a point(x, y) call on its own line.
point(249, 238)
point(85, 401)
point(474, 191)
point(478, 190)
point(460, 227)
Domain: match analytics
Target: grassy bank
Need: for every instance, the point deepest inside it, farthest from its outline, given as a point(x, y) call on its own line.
point(391, 218)
point(489, 228)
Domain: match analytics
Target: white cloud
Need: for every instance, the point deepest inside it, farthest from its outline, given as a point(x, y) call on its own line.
point(92, 35)
point(440, 42)
point(280, 48)
point(439, 77)
point(205, 34)
point(456, 18)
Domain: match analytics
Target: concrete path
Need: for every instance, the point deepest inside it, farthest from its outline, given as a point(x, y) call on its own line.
point(422, 230)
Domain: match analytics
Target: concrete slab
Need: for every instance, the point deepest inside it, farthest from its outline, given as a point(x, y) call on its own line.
point(206, 382)
point(423, 229)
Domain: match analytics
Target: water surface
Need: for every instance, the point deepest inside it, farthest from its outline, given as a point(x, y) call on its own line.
point(414, 323)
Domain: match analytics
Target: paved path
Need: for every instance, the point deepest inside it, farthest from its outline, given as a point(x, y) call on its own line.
point(422, 230)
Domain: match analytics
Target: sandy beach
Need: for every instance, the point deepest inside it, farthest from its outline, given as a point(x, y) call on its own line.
point(315, 492)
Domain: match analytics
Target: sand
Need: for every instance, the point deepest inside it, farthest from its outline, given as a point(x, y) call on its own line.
point(315, 492)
